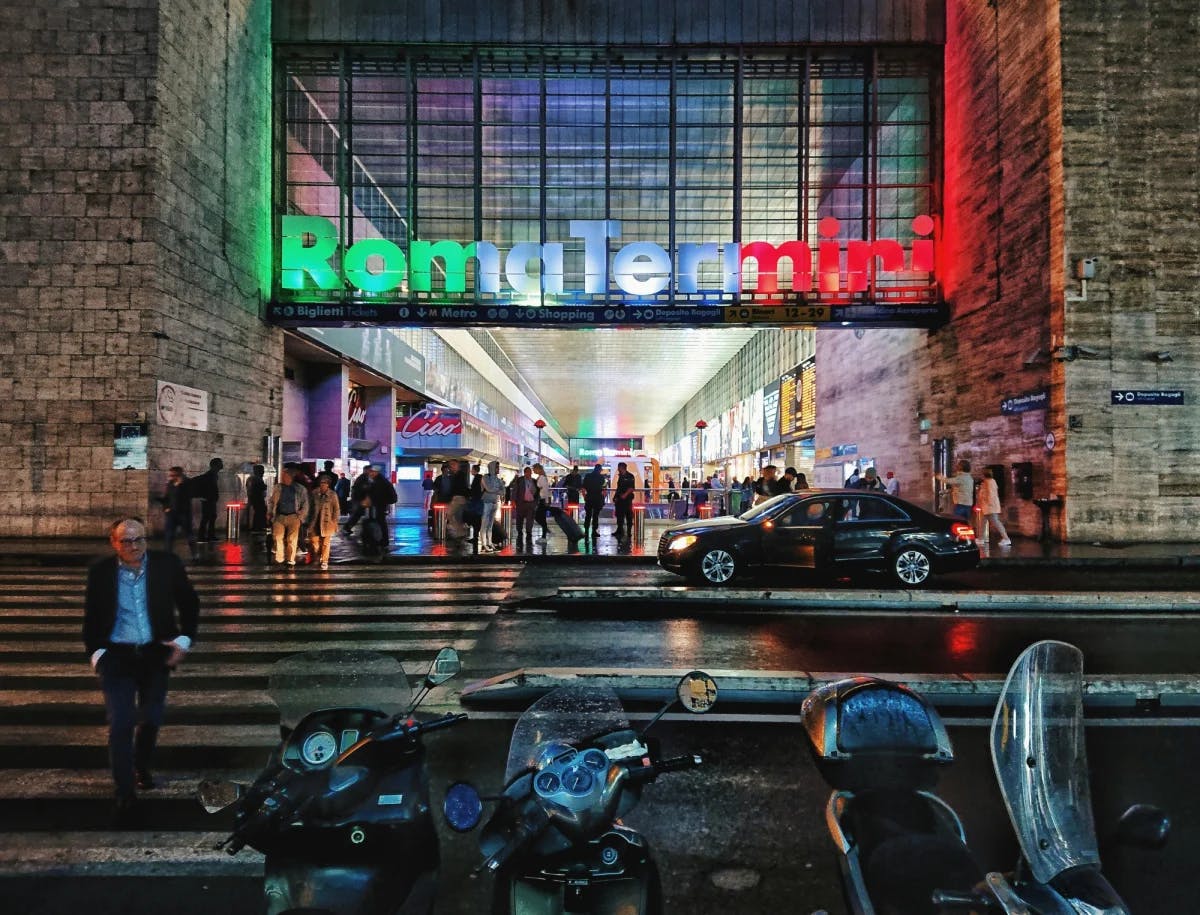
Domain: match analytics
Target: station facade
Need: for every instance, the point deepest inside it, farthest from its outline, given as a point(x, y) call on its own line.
point(967, 229)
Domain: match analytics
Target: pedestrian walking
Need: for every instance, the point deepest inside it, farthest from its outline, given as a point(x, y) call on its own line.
point(256, 496)
point(573, 481)
point(286, 507)
point(491, 488)
point(962, 490)
point(358, 492)
point(989, 505)
point(524, 496)
point(323, 519)
point(623, 495)
point(177, 511)
point(594, 487)
point(205, 488)
point(460, 494)
point(342, 488)
point(544, 495)
point(140, 619)
point(382, 496)
point(891, 485)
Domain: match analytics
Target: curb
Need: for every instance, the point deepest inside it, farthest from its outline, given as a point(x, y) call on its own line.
point(1144, 692)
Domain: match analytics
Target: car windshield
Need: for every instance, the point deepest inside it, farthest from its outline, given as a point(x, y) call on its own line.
point(337, 678)
point(1040, 760)
point(567, 715)
point(767, 508)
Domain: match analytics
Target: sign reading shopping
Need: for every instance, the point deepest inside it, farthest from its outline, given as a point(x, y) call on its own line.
point(843, 274)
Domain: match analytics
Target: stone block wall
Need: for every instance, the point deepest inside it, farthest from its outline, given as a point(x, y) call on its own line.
point(1000, 220)
point(1131, 162)
point(129, 254)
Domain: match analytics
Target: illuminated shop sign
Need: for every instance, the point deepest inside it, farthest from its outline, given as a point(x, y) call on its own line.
point(310, 248)
point(429, 422)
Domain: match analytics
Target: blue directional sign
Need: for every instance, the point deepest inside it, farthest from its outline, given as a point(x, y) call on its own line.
point(1148, 398)
point(1023, 403)
point(605, 314)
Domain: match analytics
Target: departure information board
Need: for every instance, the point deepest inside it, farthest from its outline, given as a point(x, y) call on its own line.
point(798, 399)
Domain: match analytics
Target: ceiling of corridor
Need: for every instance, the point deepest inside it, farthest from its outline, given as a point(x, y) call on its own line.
point(610, 383)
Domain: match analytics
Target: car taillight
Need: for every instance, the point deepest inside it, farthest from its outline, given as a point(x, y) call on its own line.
point(962, 532)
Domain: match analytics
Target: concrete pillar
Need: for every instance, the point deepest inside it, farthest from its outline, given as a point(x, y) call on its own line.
point(381, 424)
point(325, 393)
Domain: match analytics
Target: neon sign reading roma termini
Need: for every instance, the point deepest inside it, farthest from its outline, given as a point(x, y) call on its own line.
point(376, 265)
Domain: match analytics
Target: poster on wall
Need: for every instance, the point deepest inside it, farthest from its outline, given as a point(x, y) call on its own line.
point(130, 446)
point(182, 407)
point(770, 397)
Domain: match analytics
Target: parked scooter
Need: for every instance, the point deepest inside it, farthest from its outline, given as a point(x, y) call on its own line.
point(341, 810)
point(574, 768)
point(902, 849)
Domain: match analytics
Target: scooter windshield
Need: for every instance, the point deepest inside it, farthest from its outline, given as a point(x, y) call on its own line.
point(337, 678)
point(565, 716)
point(1041, 762)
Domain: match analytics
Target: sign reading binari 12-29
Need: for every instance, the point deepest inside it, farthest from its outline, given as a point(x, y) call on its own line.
point(310, 246)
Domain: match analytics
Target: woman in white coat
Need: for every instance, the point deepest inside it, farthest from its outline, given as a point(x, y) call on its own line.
point(491, 487)
point(989, 506)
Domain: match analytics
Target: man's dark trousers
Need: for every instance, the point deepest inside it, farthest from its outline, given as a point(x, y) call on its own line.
point(134, 681)
point(592, 509)
point(624, 512)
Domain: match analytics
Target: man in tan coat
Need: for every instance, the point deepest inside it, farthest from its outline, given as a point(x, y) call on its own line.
point(326, 508)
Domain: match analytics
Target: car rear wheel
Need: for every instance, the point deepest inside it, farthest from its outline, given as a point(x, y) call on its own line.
point(716, 566)
point(911, 567)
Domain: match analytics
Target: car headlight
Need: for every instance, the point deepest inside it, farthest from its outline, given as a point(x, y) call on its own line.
point(681, 543)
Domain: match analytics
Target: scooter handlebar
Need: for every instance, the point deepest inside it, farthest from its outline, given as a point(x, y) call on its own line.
point(679, 763)
point(424, 727)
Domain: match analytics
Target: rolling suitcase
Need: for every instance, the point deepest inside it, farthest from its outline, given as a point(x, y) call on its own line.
point(499, 534)
point(566, 523)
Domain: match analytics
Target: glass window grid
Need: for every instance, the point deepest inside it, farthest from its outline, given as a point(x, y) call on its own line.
point(607, 138)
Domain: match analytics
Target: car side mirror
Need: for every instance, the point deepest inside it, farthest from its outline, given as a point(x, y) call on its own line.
point(1143, 826)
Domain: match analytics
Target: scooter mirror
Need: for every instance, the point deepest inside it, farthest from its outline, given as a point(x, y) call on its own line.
point(462, 808)
point(697, 692)
point(1143, 826)
point(215, 796)
point(444, 667)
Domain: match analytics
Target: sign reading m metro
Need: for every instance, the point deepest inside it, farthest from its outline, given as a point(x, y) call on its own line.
point(310, 246)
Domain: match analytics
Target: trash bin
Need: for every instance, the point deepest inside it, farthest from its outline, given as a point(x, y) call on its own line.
point(233, 520)
point(735, 502)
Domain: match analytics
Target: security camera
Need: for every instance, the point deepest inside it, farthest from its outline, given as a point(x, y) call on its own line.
point(1086, 351)
point(1162, 356)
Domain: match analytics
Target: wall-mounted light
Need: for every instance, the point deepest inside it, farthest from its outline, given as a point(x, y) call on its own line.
point(1040, 356)
point(1160, 356)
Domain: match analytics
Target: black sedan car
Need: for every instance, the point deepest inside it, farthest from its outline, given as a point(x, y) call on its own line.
point(838, 531)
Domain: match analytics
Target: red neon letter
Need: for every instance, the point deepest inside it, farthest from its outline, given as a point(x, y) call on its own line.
point(829, 255)
point(767, 256)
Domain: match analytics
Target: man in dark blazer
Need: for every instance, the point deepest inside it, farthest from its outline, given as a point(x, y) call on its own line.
point(140, 616)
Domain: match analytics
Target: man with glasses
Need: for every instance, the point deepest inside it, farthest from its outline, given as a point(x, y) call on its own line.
point(140, 616)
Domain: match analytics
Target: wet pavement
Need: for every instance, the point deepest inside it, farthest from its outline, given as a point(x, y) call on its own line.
point(411, 539)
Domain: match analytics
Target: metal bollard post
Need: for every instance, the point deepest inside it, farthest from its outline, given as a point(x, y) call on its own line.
point(506, 518)
point(704, 511)
point(233, 520)
point(639, 525)
point(439, 521)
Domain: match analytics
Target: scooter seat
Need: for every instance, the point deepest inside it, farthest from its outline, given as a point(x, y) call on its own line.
point(907, 849)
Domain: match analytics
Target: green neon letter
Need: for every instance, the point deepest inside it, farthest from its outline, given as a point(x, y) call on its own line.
point(355, 265)
point(454, 260)
point(296, 258)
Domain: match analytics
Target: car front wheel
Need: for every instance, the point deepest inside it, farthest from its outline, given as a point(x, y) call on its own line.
point(911, 567)
point(716, 566)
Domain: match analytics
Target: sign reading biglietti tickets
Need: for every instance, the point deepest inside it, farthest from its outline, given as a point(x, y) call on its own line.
point(374, 280)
